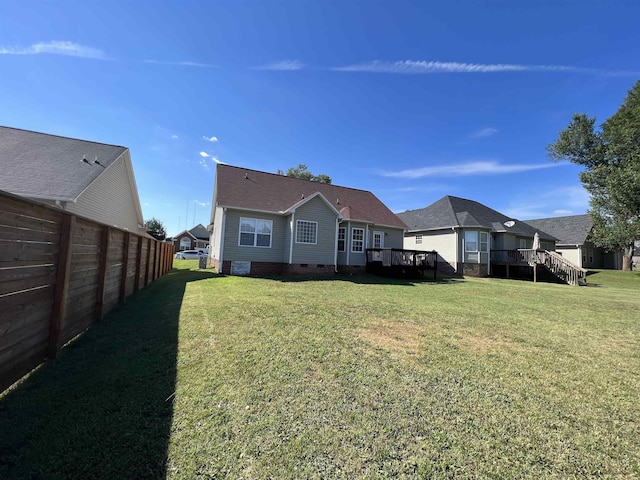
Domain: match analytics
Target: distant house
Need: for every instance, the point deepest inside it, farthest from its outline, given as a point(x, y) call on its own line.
point(263, 223)
point(574, 241)
point(466, 234)
point(90, 179)
point(197, 238)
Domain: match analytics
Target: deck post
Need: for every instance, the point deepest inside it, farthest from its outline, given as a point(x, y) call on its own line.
point(535, 273)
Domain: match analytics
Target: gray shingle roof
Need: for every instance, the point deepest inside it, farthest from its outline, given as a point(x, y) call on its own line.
point(268, 192)
point(571, 230)
point(451, 212)
point(199, 232)
point(39, 165)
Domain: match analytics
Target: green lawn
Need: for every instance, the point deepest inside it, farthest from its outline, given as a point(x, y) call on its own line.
point(200, 376)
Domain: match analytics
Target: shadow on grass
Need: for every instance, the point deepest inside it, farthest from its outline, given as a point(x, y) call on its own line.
point(370, 279)
point(103, 408)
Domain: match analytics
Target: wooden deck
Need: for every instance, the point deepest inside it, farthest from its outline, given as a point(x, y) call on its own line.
point(397, 262)
point(551, 261)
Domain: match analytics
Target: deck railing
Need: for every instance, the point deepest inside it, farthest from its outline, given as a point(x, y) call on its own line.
point(380, 260)
point(554, 262)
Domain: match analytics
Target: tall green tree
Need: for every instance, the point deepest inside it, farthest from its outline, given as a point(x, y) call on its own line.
point(155, 228)
point(302, 172)
point(611, 158)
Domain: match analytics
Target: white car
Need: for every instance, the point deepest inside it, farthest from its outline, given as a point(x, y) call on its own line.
point(189, 255)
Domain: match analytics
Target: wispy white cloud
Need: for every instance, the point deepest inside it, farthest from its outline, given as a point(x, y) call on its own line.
point(422, 66)
point(212, 139)
point(200, 204)
point(56, 47)
point(483, 133)
point(206, 156)
point(567, 200)
point(174, 137)
point(283, 65)
point(181, 64)
point(467, 169)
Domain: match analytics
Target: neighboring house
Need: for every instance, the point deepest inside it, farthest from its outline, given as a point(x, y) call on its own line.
point(574, 241)
point(465, 233)
point(90, 179)
point(635, 260)
point(264, 223)
point(196, 238)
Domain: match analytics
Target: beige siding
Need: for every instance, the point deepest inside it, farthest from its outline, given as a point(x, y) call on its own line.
point(323, 252)
point(442, 241)
point(573, 254)
point(278, 252)
point(110, 198)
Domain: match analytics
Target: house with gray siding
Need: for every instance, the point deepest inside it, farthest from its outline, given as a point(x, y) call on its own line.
point(575, 243)
point(90, 179)
point(265, 223)
point(468, 235)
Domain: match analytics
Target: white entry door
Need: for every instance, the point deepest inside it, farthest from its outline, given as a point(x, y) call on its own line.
point(378, 239)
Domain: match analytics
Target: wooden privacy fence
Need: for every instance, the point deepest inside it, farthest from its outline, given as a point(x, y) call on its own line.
point(59, 273)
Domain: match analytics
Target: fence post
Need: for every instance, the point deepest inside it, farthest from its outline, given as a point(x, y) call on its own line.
point(125, 266)
point(136, 284)
point(62, 284)
point(102, 270)
point(146, 267)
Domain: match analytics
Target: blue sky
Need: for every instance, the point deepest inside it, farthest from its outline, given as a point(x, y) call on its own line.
point(412, 100)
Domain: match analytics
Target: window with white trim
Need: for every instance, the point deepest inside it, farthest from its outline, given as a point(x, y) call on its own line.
point(471, 241)
point(306, 232)
point(484, 242)
point(357, 240)
point(255, 232)
point(419, 239)
point(523, 243)
point(342, 236)
point(185, 243)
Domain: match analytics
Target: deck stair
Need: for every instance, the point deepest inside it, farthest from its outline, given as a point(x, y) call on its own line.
point(558, 265)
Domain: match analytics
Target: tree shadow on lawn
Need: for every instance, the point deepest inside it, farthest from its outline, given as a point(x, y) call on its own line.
point(103, 408)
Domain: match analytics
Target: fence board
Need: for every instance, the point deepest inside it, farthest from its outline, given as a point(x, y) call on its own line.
point(59, 273)
point(14, 219)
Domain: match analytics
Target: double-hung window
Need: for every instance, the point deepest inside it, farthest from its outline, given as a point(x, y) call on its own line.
point(306, 232)
point(255, 232)
point(342, 236)
point(419, 239)
point(357, 240)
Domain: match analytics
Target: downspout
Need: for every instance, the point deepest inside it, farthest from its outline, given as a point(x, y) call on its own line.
point(224, 224)
point(457, 249)
point(366, 238)
point(335, 247)
point(348, 243)
point(488, 253)
point(291, 239)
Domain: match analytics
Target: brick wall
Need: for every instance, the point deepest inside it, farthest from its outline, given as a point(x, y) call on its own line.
point(474, 270)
